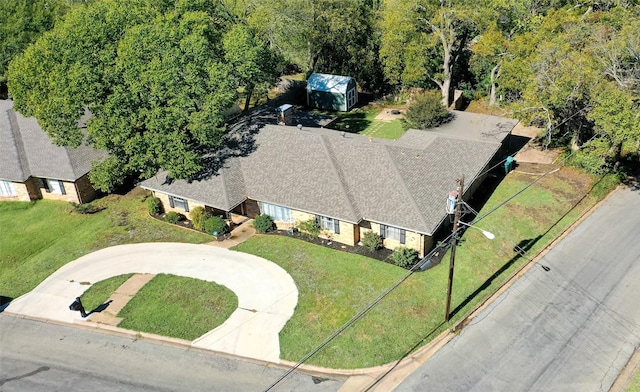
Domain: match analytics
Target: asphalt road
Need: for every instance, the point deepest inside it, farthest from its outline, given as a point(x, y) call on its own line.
point(572, 328)
point(42, 357)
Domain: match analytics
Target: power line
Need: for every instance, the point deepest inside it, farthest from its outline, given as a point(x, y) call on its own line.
point(419, 265)
point(423, 262)
point(478, 219)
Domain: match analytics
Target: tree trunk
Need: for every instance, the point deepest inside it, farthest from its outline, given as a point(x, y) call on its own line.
point(247, 100)
point(446, 74)
point(312, 60)
point(495, 73)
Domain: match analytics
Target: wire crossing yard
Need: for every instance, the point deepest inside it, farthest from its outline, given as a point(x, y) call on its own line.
point(333, 286)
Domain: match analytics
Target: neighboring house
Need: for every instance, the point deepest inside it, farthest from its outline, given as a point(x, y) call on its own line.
point(349, 183)
point(332, 92)
point(32, 167)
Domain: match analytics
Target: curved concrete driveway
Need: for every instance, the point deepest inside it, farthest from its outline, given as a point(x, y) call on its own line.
point(266, 293)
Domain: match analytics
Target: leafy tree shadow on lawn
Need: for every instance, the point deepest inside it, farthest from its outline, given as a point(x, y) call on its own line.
point(353, 122)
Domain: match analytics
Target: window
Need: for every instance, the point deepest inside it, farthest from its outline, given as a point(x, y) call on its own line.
point(7, 189)
point(393, 233)
point(53, 186)
point(178, 202)
point(327, 223)
point(278, 213)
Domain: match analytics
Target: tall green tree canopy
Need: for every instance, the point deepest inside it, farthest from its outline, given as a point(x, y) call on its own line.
point(329, 36)
point(575, 74)
point(22, 22)
point(423, 41)
point(153, 75)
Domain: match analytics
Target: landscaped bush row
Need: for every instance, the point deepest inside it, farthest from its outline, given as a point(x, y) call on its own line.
point(263, 223)
point(201, 219)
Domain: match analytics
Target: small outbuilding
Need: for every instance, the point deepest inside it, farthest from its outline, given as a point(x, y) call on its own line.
point(332, 92)
point(285, 114)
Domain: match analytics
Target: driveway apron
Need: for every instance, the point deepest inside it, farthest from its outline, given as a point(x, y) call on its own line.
point(267, 295)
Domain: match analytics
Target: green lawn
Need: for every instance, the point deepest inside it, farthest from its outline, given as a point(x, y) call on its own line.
point(333, 286)
point(177, 306)
point(168, 305)
point(40, 237)
point(362, 121)
point(635, 383)
point(99, 292)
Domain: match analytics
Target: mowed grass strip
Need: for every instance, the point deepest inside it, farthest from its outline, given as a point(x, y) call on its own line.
point(40, 237)
point(99, 292)
point(178, 307)
point(385, 129)
point(334, 286)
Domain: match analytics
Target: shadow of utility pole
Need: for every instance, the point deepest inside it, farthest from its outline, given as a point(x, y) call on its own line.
point(520, 249)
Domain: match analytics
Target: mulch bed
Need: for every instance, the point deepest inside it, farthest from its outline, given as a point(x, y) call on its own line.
point(380, 254)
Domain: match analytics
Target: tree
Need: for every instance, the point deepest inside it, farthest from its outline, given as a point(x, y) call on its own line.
point(575, 76)
point(153, 76)
point(616, 119)
point(22, 22)
point(426, 111)
point(252, 61)
point(416, 31)
point(328, 36)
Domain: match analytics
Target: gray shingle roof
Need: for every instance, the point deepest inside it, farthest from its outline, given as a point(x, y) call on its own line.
point(328, 83)
point(477, 126)
point(400, 183)
point(26, 150)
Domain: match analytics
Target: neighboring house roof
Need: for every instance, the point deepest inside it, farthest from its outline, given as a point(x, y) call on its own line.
point(401, 183)
point(329, 83)
point(477, 126)
point(26, 150)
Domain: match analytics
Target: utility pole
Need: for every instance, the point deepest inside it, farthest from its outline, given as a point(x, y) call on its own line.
point(454, 242)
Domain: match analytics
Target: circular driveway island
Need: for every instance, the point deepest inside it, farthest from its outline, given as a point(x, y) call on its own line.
point(267, 295)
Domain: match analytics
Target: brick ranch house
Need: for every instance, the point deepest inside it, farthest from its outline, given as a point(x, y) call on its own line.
point(349, 183)
point(32, 167)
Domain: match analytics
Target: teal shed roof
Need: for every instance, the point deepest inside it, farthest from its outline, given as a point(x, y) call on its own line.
point(329, 83)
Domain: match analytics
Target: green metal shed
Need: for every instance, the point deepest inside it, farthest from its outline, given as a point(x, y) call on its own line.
point(331, 92)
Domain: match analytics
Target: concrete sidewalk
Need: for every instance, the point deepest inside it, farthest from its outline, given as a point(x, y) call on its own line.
point(267, 295)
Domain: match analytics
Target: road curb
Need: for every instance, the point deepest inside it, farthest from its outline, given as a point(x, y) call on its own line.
point(381, 378)
point(425, 352)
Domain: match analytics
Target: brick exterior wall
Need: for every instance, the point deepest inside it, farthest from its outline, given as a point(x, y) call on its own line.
point(413, 240)
point(85, 190)
point(79, 192)
point(164, 198)
point(71, 195)
point(251, 208)
point(347, 234)
point(21, 193)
